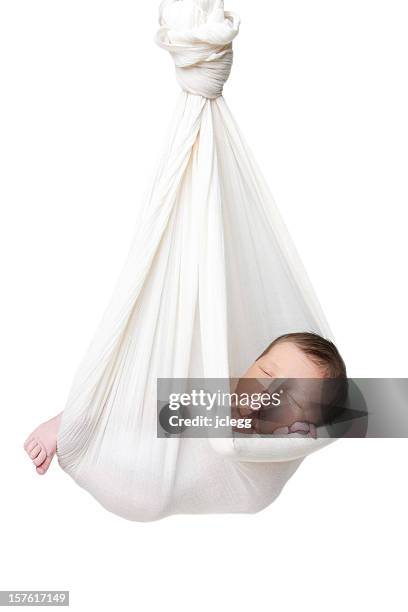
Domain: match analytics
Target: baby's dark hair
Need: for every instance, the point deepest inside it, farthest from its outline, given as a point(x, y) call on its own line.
point(321, 351)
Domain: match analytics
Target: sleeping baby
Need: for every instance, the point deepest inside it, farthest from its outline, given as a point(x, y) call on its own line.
point(302, 367)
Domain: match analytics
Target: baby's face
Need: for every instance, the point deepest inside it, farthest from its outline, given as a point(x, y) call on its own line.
point(299, 412)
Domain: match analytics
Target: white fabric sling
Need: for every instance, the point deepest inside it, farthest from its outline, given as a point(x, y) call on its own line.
point(211, 279)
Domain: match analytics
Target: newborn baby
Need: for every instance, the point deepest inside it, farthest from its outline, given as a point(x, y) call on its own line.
point(309, 376)
point(298, 357)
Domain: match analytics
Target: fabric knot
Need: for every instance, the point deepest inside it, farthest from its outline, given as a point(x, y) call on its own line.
point(198, 34)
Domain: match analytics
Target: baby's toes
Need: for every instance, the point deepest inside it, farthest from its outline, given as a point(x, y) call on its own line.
point(41, 457)
point(35, 451)
point(44, 467)
point(30, 445)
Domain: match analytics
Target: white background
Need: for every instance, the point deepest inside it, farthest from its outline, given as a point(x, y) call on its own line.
point(320, 91)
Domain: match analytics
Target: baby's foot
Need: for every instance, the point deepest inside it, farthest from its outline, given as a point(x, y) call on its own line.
point(41, 445)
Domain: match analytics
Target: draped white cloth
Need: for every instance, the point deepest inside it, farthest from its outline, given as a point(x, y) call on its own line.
point(211, 279)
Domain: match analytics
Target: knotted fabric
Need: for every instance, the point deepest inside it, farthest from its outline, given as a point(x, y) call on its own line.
point(199, 37)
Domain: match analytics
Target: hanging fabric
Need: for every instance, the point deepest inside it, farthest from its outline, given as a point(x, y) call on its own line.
point(211, 279)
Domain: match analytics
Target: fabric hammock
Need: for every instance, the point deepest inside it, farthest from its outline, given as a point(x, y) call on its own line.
point(211, 279)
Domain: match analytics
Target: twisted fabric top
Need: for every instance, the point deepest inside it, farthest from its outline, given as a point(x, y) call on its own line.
point(199, 34)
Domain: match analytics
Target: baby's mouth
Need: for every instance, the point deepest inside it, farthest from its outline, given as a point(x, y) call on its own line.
point(297, 429)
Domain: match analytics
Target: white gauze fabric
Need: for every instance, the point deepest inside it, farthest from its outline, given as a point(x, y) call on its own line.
point(211, 279)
